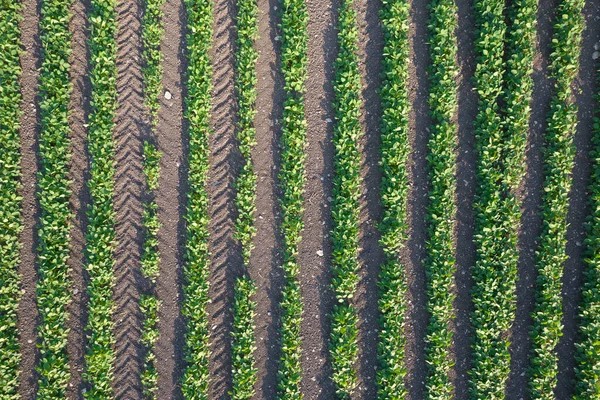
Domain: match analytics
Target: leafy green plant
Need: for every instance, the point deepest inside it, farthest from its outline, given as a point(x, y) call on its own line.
point(100, 235)
point(559, 153)
point(345, 208)
point(244, 372)
point(152, 33)
point(501, 127)
point(394, 197)
point(54, 283)
point(440, 262)
point(149, 305)
point(587, 355)
point(292, 178)
point(11, 223)
point(244, 311)
point(196, 269)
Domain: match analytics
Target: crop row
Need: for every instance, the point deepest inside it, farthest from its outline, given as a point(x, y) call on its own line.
point(292, 178)
point(196, 269)
point(440, 246)
point(345, 208)
point(394, 198)
point(152, 72)
point(501, 133)
point(494, 271)
point(244, 372)
point(54, 281)
point(101, 228)
point(10, 183)
point(587, 355)
point(559, 153)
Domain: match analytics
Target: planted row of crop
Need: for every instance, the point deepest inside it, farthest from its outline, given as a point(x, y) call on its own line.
point(441, 211)
point(196, 269)
point(501, 133)
point(244, 371)
point(149, 303)
point(587, 370)
point(559, 153)
point(345, 208)
point(10, 183)
point(101, 228)
point(152, 72)
point(395, 147)
point(292, 178)
point(54, 281)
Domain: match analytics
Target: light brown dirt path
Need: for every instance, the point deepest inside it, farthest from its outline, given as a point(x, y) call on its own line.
point(265, 263)
point(27, 313)
point(129, 132)
point(315, 274)
point(586, 89)
point(226, 261)
point(171, 200)
point(80, 194)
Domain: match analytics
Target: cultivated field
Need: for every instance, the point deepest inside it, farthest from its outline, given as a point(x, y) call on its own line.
point(300, 199)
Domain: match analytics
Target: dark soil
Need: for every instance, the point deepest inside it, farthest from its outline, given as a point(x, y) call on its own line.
point(371, 255)
point(586, 89)
point(28, 314)
point(465, 192)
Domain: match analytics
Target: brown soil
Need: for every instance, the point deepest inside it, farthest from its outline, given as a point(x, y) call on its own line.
point(80, 195)
point(129, 132)
point(171, 202)
point(28, 314)
point(226, 260)
point(265, 263)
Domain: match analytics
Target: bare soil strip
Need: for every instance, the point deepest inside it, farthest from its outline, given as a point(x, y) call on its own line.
point(465, 193)
point(80, 198)
point(226, 262)
point(265, 263)
point(315, 275)
point(28, 313)
point(171, 200)
point(371, 255)
point(414, 253)
point(129, 185)
point(531, 197)
point(587, 88)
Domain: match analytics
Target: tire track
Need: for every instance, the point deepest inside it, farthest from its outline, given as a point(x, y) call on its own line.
point(129, 184)
point(226, 256)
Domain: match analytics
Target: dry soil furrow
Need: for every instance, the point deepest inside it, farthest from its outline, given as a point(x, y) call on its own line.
point(315, 274)
point(226, 260)
point(586, 89)
point(531, 196)
point(171, 201)
point(265, 263)
point(28, 313)
point(80, 200)
point(465, 193)
point(371, 255)
point(129, 133)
